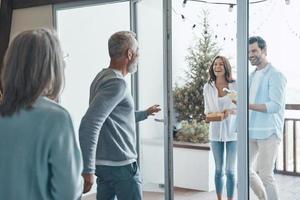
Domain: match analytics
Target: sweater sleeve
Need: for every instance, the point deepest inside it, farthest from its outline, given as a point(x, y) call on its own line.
point(277, 87)
point(65, 161)
point(107, 97)
point(140, 115)
point(205, 98)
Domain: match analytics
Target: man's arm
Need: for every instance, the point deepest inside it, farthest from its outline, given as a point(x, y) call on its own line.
point(258, 107)
point(142, 115)
point(277, 86)
point(112, 92)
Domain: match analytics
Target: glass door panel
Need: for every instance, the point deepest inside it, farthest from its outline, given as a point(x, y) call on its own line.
point(84, 31)
point(150, 91)
point(277, 23)
point(200, 32)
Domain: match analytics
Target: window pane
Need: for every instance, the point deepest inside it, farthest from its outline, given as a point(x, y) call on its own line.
point(277, 23)
point(84, 33)
point(202, 31)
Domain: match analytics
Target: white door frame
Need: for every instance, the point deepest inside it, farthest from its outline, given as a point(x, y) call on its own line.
point(242, 115)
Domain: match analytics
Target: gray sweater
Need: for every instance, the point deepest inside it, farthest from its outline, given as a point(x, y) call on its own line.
point(107, 130)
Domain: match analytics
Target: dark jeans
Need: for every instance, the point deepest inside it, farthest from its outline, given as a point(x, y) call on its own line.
point(123, 182)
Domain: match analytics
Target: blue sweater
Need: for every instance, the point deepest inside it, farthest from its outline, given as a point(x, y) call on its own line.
point(40, 157)
point(107, 130)
point(271, 92)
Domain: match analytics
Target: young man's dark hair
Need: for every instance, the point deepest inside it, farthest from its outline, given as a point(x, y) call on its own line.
point(260, 41)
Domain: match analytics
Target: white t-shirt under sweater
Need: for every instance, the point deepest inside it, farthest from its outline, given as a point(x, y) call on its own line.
point(258, 75)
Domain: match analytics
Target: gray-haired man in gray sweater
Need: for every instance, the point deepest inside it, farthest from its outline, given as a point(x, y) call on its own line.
point(107, 131)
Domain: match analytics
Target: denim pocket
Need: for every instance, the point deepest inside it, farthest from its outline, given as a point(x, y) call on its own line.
point(133, 168)
point(124, 172)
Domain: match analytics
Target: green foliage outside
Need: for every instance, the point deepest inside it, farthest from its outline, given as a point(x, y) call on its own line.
point(188, 99)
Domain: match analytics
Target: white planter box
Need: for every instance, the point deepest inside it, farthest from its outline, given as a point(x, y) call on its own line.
point(193, 165)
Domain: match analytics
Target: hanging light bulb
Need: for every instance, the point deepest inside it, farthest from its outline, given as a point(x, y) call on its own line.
point(287, 2)
point(184, 3)
point(182, 17)
point(230, 8)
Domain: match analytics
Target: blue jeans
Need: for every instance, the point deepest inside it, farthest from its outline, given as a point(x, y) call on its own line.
point(122, 182)
point(220, 150)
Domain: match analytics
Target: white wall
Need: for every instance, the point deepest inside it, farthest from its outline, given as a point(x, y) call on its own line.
point(29, 18)
point(193, 168)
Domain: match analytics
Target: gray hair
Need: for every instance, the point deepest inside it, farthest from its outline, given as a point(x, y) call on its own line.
point(33, 66)
point(120, 42)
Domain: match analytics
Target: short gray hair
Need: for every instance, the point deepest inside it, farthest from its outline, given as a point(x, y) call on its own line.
point(120, 42)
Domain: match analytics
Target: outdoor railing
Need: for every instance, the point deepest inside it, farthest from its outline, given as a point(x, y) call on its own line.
point(288, 161)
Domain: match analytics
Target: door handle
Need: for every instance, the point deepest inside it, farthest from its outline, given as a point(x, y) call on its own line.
point(159, 120)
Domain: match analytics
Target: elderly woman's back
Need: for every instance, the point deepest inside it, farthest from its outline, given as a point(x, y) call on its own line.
point(40, 158)
point(39, 154)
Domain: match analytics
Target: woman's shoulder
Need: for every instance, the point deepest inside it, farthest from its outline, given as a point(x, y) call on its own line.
point(51, 109)
point(208, 85)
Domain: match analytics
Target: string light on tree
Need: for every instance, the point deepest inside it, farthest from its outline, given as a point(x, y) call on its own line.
point(182, 17)
point(184, 3)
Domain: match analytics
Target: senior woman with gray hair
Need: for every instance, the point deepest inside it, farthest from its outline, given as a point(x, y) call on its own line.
point(39, 153)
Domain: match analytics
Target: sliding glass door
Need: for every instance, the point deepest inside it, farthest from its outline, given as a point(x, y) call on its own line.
point(150, 91)
point(276, 21)
point(175, 160)
point(84, 29)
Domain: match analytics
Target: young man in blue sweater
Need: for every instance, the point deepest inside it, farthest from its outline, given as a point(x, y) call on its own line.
point(266, 118)
point(107, 131)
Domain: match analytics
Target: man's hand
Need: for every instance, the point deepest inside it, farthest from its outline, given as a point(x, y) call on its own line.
point(88, 182)
point(153, 109)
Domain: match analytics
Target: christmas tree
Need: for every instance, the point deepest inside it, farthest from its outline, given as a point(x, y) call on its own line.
point(188, 99)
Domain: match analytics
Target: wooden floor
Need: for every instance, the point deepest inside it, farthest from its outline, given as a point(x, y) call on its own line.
point(289, 188)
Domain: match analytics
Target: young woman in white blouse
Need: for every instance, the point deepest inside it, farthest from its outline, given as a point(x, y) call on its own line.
point(222, 133)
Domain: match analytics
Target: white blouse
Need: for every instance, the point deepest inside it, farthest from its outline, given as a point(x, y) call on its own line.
point(224, 130)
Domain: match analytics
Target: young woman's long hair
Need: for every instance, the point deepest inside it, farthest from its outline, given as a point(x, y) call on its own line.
point(227, 67)
point(33, 66)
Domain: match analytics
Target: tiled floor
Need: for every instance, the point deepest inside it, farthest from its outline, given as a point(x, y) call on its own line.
point(289, 188)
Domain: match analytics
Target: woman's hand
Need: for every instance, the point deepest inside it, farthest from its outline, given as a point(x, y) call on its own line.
point(226, 113)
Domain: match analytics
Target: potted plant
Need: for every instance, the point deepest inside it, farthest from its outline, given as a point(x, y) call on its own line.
point(193, 131)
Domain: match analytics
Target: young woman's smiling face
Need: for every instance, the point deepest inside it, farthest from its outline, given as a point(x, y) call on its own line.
point(219, 69)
